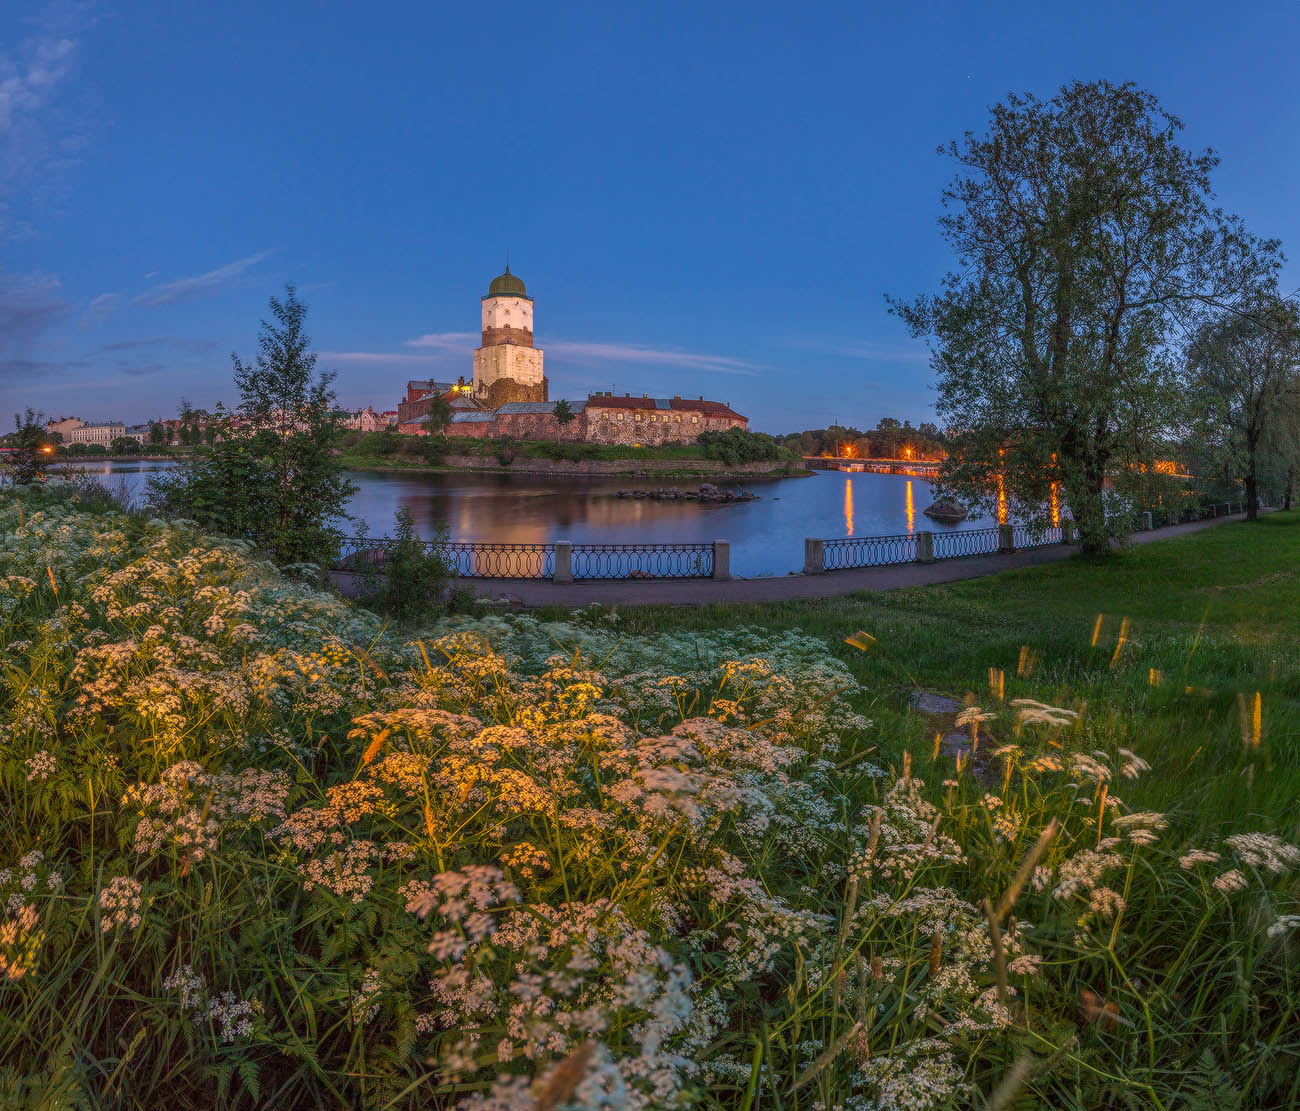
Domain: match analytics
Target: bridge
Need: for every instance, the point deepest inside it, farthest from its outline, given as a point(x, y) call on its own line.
point(919, 468)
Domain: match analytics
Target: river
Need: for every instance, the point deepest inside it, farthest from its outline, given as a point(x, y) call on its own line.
point(766, 535)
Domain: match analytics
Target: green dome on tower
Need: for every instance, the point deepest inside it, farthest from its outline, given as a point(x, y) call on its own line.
point(507, 285)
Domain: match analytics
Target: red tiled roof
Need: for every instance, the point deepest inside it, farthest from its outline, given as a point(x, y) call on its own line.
point(680, 404)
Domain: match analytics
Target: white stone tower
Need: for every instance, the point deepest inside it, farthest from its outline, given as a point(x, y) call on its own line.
point(507, 367)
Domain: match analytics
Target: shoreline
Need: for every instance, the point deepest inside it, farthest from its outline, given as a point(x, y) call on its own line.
point(596, 468)
point(559, 468)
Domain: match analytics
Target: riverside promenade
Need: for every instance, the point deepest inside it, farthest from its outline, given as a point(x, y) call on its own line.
point(793, 587)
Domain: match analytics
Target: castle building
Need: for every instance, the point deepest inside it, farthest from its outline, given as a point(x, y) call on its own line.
point(509, 394)
point(507, 367)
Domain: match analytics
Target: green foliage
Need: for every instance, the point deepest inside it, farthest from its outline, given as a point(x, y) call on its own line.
point(411, 582)
point(1081, 230)
point(1244, 378)
point(572, 451)
point(274, 477)
point(33, 448)
point(739, 445)
point(890, 439)
point(125, 445)
point(505, 449)
point(563, 412)
point(157, 434)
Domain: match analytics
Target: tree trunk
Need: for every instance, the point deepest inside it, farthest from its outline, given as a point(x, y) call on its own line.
point(1089, 508)
point(1252, 487)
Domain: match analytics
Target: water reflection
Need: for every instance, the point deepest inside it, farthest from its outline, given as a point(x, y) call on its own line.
point(766, 535)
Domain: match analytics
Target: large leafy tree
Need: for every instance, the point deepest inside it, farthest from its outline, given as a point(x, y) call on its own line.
point(273, 477)
point(33, 447)
point(1244, 372)
point(1084, 234)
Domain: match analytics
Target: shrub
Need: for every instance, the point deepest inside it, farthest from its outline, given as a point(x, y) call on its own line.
point(739, 445)
point(412, 582)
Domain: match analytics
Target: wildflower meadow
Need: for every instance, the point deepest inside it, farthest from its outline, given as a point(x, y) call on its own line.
point(258, 849)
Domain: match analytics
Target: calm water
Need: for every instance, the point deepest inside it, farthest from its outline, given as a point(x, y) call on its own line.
point(766, 535)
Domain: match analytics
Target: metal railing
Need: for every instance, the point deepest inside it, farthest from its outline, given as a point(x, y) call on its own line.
point(642, 561)
point(559, 561)
point(966, 542)
point(470, 560)
point(1026, 536)
point(867, 551)
point(564, 562)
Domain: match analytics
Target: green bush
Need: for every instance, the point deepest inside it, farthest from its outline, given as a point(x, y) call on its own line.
point(739, 445)
point(412, 580)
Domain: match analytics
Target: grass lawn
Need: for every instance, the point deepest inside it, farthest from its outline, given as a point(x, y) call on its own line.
point(1207, 619)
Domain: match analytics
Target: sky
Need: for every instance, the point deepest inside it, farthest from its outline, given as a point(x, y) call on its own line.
point(703, 199)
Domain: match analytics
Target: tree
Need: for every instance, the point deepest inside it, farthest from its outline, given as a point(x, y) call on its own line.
point(274, 478)
point(1084, 234)
point(439, 415)
point(563, 412)
point(1242, 369)
point(34, 447)
point(157, 434)
point(124, 445)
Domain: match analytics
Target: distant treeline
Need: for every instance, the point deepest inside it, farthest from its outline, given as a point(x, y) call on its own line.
point(890, 439)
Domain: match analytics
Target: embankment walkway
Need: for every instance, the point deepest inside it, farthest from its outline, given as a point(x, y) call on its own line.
point(783, 588)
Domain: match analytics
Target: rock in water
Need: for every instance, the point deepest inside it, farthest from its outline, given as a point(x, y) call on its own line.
point(946, 510)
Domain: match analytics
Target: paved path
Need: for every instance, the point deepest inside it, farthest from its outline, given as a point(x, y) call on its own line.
point(697, 592)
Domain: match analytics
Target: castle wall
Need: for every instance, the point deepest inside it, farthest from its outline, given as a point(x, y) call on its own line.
point(507, 360)
point(641, 426)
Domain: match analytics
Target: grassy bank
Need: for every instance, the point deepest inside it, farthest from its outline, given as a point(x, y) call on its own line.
point(258, 850)
point(379, 451)
point(1205, 620)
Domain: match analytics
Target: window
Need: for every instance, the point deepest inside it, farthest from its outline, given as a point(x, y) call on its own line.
point(638, 416)
point(620, 416)
point(695, 420)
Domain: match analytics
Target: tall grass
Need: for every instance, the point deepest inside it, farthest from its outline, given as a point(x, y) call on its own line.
point(257, 852)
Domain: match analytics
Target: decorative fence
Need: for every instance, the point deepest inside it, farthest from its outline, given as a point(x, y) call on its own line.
point(643, 561)
point(563, 562)
point(560, 561)
point(463, 560)
point(867, 551)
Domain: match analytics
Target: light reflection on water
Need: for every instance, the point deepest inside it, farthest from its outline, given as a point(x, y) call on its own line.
point(766, 535)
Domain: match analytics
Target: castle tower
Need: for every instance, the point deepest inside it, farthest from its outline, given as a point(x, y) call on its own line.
point(507, 367)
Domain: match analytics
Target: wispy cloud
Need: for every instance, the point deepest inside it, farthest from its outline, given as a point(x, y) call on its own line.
point(40, 138)
point(29, 306)
point(872, 352)
point(99, 310)
point(446, 341)
point(201, 285)
point(374, 357)
point(582, 351)
point(638, 353)
point(176, 343)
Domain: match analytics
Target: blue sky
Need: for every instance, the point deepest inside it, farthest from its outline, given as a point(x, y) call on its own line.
point(703, 198)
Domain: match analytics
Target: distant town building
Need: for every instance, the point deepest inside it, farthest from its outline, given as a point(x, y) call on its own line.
point(509, 393)
point(364, 420)
point(63, 426)
point(102, 434)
